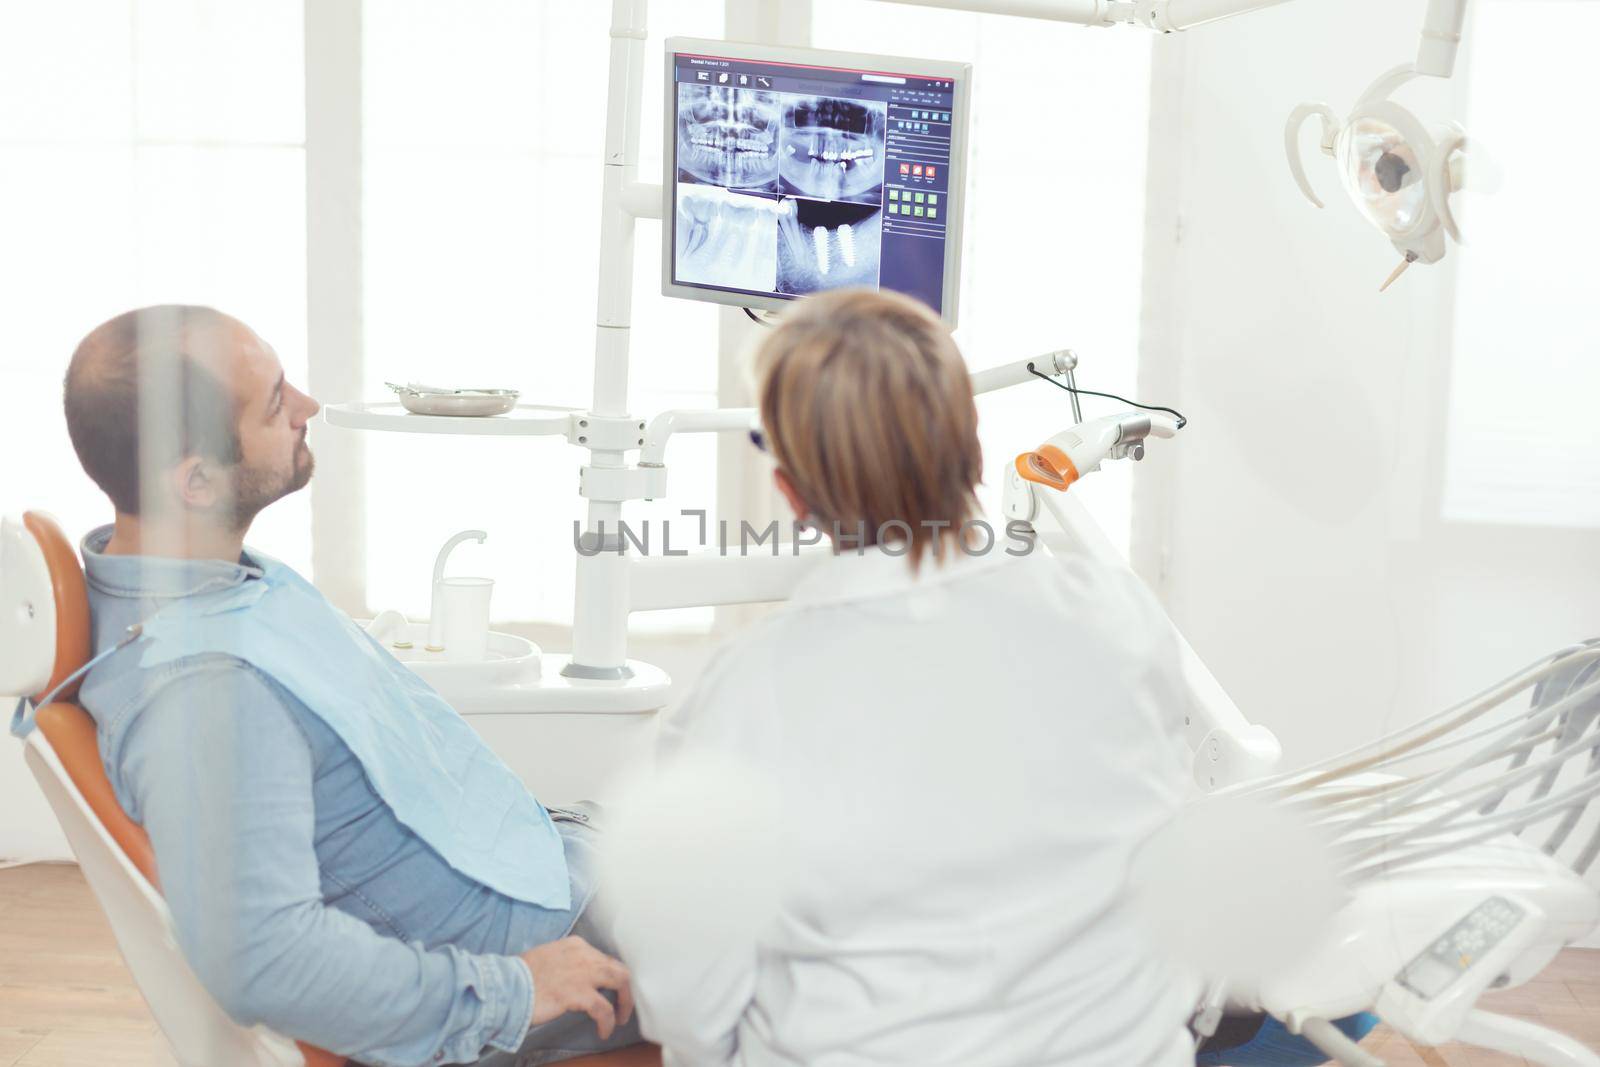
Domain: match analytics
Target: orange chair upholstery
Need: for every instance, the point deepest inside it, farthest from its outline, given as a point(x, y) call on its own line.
point(71, 733)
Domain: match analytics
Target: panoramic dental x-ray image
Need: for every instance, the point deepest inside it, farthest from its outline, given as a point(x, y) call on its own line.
point(778, 192)
point(728, 137)
point(833, 149)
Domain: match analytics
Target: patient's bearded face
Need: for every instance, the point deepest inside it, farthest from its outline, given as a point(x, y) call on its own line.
point(274, 457)
point(256, 487)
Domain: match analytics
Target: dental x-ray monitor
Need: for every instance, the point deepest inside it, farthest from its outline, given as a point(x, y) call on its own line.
point(790, 171)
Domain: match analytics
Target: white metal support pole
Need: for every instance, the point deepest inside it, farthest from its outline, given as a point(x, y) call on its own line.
point(719, 420)
point(1082, 12)
point(1172, 15)
point(333, 292)
point(600, 612)
point(1441, 37)
point(1163, 310)
point(1019, 372)
point(1167, 16)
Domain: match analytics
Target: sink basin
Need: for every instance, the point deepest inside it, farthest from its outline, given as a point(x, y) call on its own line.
point(512, 660)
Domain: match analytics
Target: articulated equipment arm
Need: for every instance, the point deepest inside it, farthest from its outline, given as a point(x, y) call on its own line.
point(1164, 15)
point(1441, 29)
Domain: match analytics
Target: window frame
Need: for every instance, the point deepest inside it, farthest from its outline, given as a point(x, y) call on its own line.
point(334, 148)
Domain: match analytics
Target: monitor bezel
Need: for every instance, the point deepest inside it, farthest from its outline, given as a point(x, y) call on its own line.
point(960, 74)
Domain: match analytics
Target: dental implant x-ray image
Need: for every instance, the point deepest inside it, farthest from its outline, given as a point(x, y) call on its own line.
point(728, 137)
point(727, 239)
point(832, 149)
point(828, 246)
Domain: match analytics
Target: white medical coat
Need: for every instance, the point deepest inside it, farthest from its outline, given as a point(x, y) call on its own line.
point(966, 761)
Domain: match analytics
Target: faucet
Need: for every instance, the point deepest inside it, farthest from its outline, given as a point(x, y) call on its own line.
point(435, 615)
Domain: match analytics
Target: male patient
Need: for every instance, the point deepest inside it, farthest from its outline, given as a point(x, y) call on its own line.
point(345, 861)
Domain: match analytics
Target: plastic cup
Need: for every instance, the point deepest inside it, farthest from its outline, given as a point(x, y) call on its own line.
point(464, 607)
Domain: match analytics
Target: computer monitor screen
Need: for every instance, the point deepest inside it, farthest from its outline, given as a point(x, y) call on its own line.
point(791, 171)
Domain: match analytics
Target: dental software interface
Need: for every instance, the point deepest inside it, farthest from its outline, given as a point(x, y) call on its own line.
point(793, 178)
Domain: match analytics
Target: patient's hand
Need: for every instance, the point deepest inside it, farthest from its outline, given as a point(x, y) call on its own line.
point(568, 976)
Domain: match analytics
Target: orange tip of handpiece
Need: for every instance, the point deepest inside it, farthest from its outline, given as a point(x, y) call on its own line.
point(1048, 466)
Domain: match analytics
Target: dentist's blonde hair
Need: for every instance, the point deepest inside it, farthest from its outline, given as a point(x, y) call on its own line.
point(867, 407)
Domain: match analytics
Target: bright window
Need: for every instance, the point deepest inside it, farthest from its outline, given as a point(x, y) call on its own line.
point(1055, 210)
point(150, 152)
point(1523, 448)
point(484, 129)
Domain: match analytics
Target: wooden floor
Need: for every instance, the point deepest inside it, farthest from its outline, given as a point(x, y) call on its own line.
point(66, 999)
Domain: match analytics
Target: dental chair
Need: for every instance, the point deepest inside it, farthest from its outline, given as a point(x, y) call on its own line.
point(1460, 842)
point(45, 632)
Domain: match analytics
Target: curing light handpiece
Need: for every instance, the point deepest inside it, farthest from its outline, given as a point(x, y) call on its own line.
point(1069, 455)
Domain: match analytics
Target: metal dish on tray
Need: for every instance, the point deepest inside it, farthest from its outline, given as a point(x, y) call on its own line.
point(473, 403)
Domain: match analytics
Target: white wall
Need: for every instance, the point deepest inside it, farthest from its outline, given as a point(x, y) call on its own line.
point(1294, 530)
point(27, 829)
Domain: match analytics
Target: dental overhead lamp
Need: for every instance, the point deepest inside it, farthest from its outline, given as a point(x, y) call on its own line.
point(1399, 172)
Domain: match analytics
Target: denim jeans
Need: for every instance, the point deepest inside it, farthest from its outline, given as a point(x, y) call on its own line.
point(1274, 1046)
point(573, 1034)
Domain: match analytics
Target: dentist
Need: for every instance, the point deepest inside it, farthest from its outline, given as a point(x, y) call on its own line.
point(967, 747)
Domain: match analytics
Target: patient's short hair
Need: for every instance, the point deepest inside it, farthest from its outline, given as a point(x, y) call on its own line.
point(868, 407)
point(138, 397)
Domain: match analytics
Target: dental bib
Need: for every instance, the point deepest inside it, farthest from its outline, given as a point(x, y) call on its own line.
point(432, 769)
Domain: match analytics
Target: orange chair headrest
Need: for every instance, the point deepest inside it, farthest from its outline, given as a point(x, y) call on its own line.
point(71, 596)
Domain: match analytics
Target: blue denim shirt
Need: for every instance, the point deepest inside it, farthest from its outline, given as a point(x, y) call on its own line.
point(300, 900)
